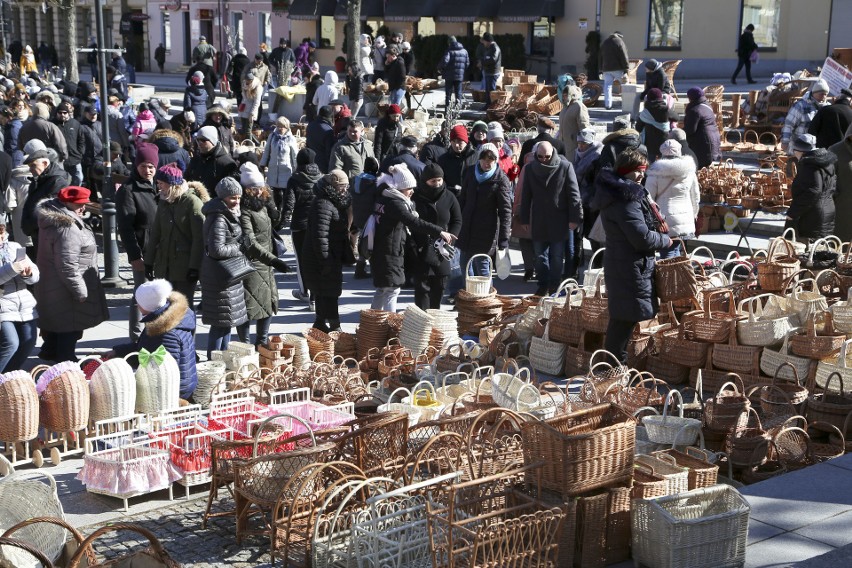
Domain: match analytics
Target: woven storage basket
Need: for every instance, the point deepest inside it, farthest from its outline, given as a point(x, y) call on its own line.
point(806, 302)
point(744, 442)
point(24, 495)
point(478, 285)
point(566, 321)
point(672, 430)
point(794, 390)
point(817, 344)
point(772, 361)
point(780, 264)
point(675, 278)
point(318, 342)
point(19, 401)
point(672, 373)
point(710, 325)
point(841, 313)
point(647, 484)
point(595, 310)
point(64, 402)
point(678, 345)
point(578, 359)
point(838, 366)
point(702, 473)
point(209, 375)
point(584, 450)
point(677, 478)
point(344, 344)
point(830, 406)
point(547, 356)
point(113, 390)
point(701, 528)
point(158, 386)
point(725, 408)
point(734, 357)
point(764, 325)
point(515, 392)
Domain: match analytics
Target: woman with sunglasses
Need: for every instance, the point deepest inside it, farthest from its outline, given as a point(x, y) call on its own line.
point(632, 238)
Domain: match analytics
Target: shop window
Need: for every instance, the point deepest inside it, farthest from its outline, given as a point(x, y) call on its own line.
point(264, 29)
point(765, 15)
point(541, 37)
point(665, 24)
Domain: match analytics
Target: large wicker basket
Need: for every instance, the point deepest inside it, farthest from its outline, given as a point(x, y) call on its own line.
point(64, 401)
point(113, 390)
point(781, 263)
point(19, 404)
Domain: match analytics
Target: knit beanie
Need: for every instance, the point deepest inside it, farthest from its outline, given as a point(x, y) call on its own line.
point(459, 132)
point(209, 133)
point(820, 86)
point(228, 186)
point(495, 130)
point(670, 148)
point(394, 109)
point(335, 178)
point(153, 295)
point(305, 156)
point(41, 110)
point(432, 171)
point(654, 95)
point(170, 174)
point(147, 154)
point(479, 126)
point(402, 177)
point(587, 136)
point(197, 78)
point(250, 176)
point(489, 147)
point(695, 93)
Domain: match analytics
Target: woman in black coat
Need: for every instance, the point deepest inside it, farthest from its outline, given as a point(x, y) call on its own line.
point(434, 204)
point(812, 211)
point(298, 197)
point(702, 133)
point(486, 205)
point(654, 122)
point(396, 217)
point(631, 241)
point(223, 304)
point(326, 247)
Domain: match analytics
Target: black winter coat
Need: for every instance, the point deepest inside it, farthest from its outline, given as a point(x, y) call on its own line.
point(257, 218)
point(170, 146)
point(387, 135)
point(320, 139)
point(486, 213)
point(355, 87)
point(45, 186)
point(657, 79)
point(433, 150)
point(829, 124)
point(439, 207)
point(238, 65)
point(746, 45)
point(299, 196)
point(395, 74)
point(617, 142)
point(75, 140)
point(136, 207)
point(630, 246)
point(327, 244)
point(551, 199)
point(455, 63)
point(414, 165)
point(652, 136)
point(454, 166)
point(211, 79)
point(223, 305)
point(195, 98)
point(702, 134)
point(225, 130)
point(395, 220)
point(812, 210)
point(211, 168)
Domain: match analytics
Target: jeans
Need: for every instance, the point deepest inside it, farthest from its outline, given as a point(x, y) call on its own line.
point(453, 88)
point(549, 266)
point(396, 96)
point(218, 339)
point(136, 326)
point(385, 299)
point(527, 253)
point(76, 173)
point(609, 78)
point(60, 346)
point(17, 339)
point(618, 333)
point(428, 291)
point(573, 249)
point(262, 331)
point(490, 85)
point(743, 62)
point(478, 267)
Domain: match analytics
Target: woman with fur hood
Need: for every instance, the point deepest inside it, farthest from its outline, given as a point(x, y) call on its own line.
point(258, 215)
point(219, 118)
point(175, 244)
point(672, 184)
point(170, 148)
point(328, 91)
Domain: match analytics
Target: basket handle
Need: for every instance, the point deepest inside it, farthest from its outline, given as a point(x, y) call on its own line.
point(154, 543)
point(813, 248)
point(825, 388)
point(722, 388)
point(36, 553)
point(604, 352)
point(704, 248)
point(594, 256)
point(403, 389)
point(78, 537)
point(470, 261)
point(668, 401)
point(423, 385)
point(732, 311)
point(795, 371)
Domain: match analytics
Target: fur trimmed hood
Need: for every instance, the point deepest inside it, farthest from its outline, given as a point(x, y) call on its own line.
point(162, 133)
point(611, 188)
point(171, 316)
point(51, 213)
point(626, 132)
point(678, 167)
point(199, 190)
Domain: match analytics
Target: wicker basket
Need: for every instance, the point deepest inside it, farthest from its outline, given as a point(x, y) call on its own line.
point(830, 407)
point(835, 366)
point(704, 527)
point(158, 385)
point(732, 356)
point(771, 361)
point(19, 401)
point(584, 450)
point(547, 356)
point(765, 325)
point(318, 342)
point(64, 402)
point(566, 321)
point(675, 278)
point(744, 443)
point(702, 473)
point(780, 264)
point(815, 345)
point(113, 390)
point(677, 478)
point(25, 495)
point(672, 430)
point(478, 285)
point(647, 484)
point(677, 344)
point(722, 412)
point(595, 310)
point(209, 375)
point(713, 326)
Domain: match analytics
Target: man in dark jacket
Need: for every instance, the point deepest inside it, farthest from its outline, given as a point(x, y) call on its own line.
point(552, 207)
point(281, 60)
point(655, 78)
point(655, 122)
point(94, 149)
point(812, 211)
point(492, 64)
point(544, 126)
point(436, 147)
point(436, 205)
point(680, 135)
point(406, 154)
point(235, 73)
point(320, 137)
point(457, 159)
point(211, 163)
point(39, 127)
point(702, 133)
point(830, 123)
point(453, 67)
point(395, 75)
point(616, 142)
point(614, 64)
point(211, 79)
point(388, 133)
point(75, 139)
point(48, 179)
point(297, 203)
point(745, 47)
point(169, 323)
point(136, 207)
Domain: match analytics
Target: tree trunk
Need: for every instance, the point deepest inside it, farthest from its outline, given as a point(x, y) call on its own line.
point(69, 13)
point(353, 29)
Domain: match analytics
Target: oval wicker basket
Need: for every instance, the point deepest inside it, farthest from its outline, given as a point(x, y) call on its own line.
point(19, 401)
point(64, 403)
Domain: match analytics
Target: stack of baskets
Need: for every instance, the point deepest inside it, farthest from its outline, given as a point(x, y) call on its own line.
point(319, 342)
point(345, 344)
point(475, 310)
point(275, 354)
point(445, 324)
point(210, 373)
point(301, 354)
point(372, 331)
point(416, 329)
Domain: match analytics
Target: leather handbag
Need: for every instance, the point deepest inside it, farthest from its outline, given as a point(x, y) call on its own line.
point(236, 268)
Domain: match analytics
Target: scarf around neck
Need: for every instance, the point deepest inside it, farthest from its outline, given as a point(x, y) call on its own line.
point(484, 176)
point(646, 117)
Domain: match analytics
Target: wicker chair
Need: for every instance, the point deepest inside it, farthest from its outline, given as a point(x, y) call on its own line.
point(670, 67)
point(376, 444)
point(495, 443)
point(421, 433)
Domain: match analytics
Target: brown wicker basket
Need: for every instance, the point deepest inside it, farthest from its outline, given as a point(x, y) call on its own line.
point(734, 357)
point(723, 411)
point(702, 473)
point(318, 342)
point(675, 278)
point(19, 401)
point(595, 311)
point(64, 404)
point(830, 407)
point(566, 322)
point(815, 345)
point(710, 325)
point(781, 263)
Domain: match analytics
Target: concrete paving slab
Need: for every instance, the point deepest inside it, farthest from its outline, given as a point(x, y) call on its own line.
point(833, 531)
point(758, 531)
point(783, 551)
point(838, 557)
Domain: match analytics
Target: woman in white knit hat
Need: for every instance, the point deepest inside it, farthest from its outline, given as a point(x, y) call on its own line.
point(396, 218)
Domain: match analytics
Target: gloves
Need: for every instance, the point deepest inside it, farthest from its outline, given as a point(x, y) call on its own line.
point(149, 272)
point(245, 243)
point(192, 275)
point(281, 266)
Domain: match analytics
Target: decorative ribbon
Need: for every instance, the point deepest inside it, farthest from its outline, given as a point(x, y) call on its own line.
point(158, 356)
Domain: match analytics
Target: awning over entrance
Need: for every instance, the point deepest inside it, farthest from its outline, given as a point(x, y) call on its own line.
point(530, 10)
point(467, 10)
point(370, 9)
point(311, 9)
point(409, 10)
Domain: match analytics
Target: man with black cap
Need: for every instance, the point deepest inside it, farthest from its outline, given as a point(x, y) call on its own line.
point(75, 139)
point(831, 122)
point(48, 179)
point(492, 64)
point(282, 59)
point(204, 52)
point(211, 163)
point(320, 137)
point(210, 79)
point(136, 207)
point(407, 151)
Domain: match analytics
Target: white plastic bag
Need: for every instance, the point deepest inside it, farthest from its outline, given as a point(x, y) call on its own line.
point(503, 264)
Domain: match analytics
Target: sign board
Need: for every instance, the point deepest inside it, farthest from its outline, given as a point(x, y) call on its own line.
point(195, 28)
point(836, 75)
point(583, 24)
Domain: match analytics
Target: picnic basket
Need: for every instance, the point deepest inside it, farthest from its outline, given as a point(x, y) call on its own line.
point(814, 343)
point(723, 411)
point(24, 495)
point(835, 366)
point(547, 356)
point(765, 324)
point(594, 310)
point(478, 285)
point(669, 430)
